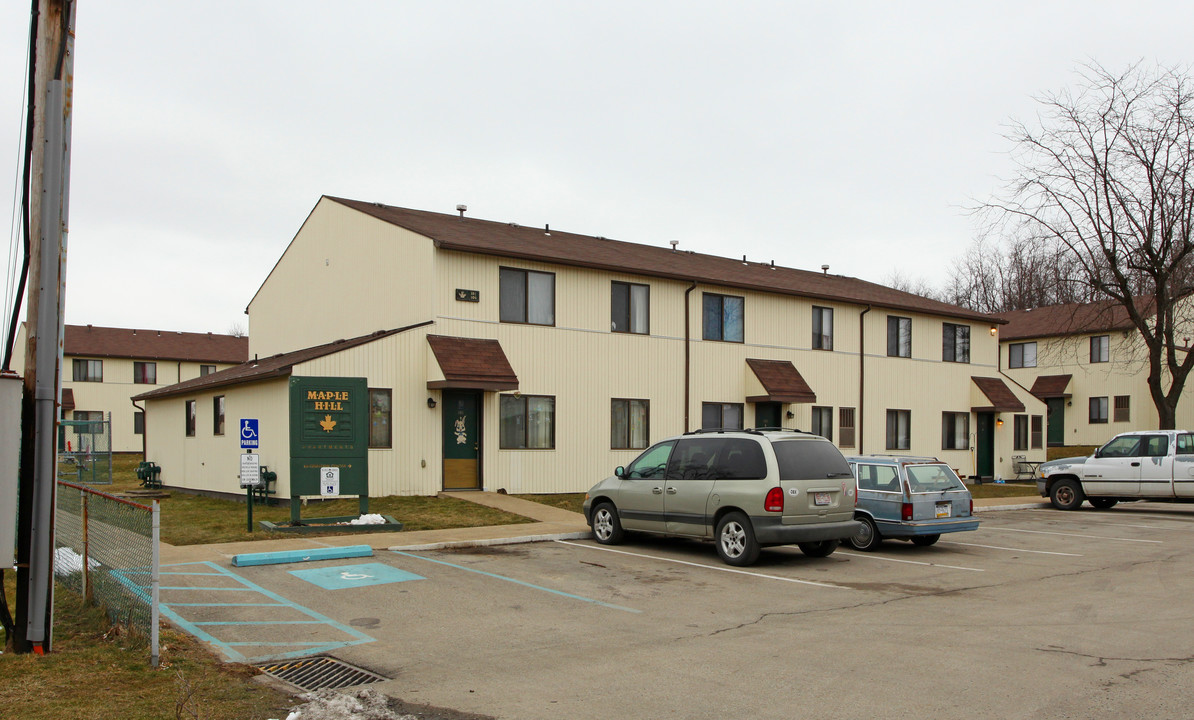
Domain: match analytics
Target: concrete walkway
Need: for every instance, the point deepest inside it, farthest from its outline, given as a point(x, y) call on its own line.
point(550, 523)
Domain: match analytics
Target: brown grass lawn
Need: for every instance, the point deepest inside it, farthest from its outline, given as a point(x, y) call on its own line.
point(96, 671)
point(194, 519)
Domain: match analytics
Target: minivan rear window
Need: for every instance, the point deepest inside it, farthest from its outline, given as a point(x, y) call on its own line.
point(807, 460)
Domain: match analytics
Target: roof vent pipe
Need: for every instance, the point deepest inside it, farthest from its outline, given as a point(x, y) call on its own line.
point(825, 269)
point(674, 243)
point(461, 209)
point(546, 229)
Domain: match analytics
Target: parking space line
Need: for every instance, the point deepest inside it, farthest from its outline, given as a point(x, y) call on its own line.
point(909, 562)
point(997, 547)
point(518, 582)
point(1089, 537)
point(706, 567)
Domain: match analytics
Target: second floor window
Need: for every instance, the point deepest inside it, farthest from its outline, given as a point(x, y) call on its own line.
point(822, 328)
point(1099, 348)
point(527, 296)
point(145, 373)
point(191, 418)
point(955, 343)
point(87, 370)
point(629, 308)
point(217, 415)
point(1021, 355)
point(724, 317)
point(899, 336)
point(205, 370)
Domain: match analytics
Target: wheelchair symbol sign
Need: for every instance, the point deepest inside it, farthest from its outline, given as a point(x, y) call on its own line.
point(248, 433)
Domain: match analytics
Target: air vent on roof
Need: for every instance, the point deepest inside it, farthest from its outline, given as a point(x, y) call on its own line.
point(825, 269)
point(674, 243)
point(547, 229)
point(461, 209)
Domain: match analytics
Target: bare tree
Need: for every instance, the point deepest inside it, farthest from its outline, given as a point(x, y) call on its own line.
point(236, 330)
point(1025, 271)
point(1107, 177)
point(917, 286)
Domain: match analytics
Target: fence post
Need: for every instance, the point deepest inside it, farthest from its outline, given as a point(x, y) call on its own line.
point(155, 584)
point(86, 551)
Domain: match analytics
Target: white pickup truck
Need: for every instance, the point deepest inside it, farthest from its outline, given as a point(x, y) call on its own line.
point(1145, 465)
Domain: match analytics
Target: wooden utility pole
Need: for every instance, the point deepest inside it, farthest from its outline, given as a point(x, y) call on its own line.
point(49, 184)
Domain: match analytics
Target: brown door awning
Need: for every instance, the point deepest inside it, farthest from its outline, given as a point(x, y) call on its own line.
point(68, 400)
point(470, 364)
point(1000, 396)
point(776, 381)
point(1051, 386)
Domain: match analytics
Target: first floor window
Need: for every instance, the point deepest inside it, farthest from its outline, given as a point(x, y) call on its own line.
point(1123, 408)
point(1037, 432)
point(217, 414)
point(955, 431)
point(94, 420)
point(1098, 410)
point(191, 418)
point(87, 370)
point(822, 328)
point(823, 422)
point(628, 424)
point(380, 432)
point(724, 317)
point(899, 429)
point(1021, 355)
point(145, 373)
point(899, 336)
point(1020, 434)
point(138, 423)
point(715, 416)
point(845, 426)
point(528, 422)
point(955, 343)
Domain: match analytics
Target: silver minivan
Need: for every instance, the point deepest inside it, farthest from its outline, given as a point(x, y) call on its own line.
point(743, 489)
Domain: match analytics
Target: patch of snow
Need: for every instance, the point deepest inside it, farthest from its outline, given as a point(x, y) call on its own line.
point(362, 704)
point(369, 519)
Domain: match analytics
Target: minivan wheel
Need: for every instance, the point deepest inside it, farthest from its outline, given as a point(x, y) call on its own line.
point(868, 537)
point(925, 540)
point(607, 528)
point(735, 539)
point(822, 548)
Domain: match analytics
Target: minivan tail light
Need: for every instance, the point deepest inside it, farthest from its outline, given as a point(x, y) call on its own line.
point(906, 511)
point(775, 500)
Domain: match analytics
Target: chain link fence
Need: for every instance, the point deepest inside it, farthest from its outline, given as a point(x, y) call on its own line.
point(106, 549)
point(85, 449)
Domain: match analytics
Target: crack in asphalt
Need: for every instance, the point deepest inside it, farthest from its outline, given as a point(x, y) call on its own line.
point(1102, 660)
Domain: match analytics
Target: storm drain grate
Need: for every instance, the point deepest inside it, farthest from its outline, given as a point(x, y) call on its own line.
point(316, 673)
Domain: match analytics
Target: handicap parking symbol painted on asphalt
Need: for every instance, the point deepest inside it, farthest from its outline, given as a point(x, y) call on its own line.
point(350, 576)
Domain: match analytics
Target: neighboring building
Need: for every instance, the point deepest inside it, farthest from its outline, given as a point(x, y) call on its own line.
point(477, 354)
point(1088, 363)
point(104, 367)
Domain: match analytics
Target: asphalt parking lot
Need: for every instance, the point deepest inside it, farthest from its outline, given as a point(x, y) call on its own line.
point(1039, 613)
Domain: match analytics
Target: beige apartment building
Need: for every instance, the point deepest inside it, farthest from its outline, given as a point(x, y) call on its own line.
point(1089, 365)
point(103, 367)
point(456, 353)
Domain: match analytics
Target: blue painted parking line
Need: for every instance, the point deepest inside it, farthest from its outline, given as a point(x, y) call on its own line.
point(226, 645)
point(518, 582)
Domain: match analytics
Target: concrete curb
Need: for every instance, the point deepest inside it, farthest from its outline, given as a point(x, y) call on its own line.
point(491, 541)
point(1025, 506)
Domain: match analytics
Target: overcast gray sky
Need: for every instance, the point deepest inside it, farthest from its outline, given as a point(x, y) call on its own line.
point(850, 134)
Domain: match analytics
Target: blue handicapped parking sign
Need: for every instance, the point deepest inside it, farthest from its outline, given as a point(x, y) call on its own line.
point(249, 437)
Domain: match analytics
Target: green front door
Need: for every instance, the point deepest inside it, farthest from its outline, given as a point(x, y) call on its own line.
point(1056, 409)
point(984, 445)
point(462, 440)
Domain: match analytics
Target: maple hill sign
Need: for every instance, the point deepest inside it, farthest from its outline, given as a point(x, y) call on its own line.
point(329, 427)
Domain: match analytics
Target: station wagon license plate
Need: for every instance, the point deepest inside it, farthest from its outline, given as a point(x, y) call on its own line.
point(944, 509)
point(822, 498)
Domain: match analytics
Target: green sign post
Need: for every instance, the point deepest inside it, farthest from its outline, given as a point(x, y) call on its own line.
point(329, 428)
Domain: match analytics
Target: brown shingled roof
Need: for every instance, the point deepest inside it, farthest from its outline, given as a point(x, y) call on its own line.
point(782, 381)
point(471, 363)
point(266, 368)
point(1001, 397)
point(1071, 319)
point(452, 232)
point(1051, 386)
point(107, 342)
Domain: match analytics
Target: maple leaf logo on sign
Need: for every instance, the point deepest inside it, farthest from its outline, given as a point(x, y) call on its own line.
point(327, 423)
